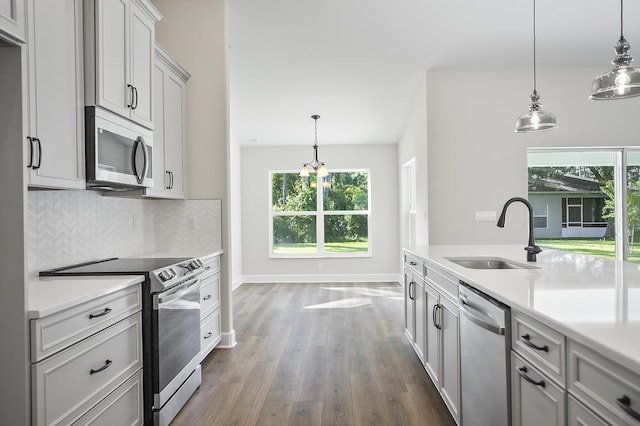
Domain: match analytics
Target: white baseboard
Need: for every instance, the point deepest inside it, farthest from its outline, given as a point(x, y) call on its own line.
point(237, 282)
point(322, 278)
point(228, 340)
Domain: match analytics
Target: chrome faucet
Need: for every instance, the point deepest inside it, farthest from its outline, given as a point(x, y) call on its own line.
point(532, 249)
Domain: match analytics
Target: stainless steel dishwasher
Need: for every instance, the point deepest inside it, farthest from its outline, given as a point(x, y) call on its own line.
point(484, 359)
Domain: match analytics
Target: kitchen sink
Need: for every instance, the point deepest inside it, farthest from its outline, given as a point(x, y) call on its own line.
point(488, 263)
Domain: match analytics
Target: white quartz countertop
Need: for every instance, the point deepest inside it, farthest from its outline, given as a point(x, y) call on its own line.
point(48, 295)
point(592, 300)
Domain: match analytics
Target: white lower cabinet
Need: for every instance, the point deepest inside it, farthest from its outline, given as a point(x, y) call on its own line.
point(607, 388)
point(579, 415)
point(210, 306)
point(536, 400)
point(95, 379)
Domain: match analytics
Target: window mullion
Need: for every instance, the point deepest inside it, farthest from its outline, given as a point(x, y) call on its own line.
point(319, 216)
point(620, 180)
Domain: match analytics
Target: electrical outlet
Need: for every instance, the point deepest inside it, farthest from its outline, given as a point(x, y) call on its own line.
point(486, 216)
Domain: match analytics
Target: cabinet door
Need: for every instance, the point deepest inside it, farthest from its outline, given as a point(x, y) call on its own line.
point(112, 35)
point(432, 352)
point(409, 303)
point(536, 400)
point(141, 63)
point(450, 356)
point(12, 18)
point(421, 308)
point(174, 132)
point(160, 179)
point(55, 95)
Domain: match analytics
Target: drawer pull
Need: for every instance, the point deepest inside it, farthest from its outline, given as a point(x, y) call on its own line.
point(412, 263)
point(209, 334)
point(106, 365)
point(207, 297)
point(526, 339)
point(625, 404)
point(101, 314)
point(523, 373)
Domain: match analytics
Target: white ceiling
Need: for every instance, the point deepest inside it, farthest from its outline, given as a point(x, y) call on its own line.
point(356, 63)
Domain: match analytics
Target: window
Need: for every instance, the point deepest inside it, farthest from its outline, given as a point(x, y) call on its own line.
point(320, 216)
point(588, 210)
point(540, 215)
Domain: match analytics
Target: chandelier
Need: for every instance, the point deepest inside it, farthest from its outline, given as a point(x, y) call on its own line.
point(319, 167)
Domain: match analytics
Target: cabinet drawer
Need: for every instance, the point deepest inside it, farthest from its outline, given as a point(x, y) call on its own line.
point(122, 407)
point(58, 331)
point(540, 345)
point(446, 283)
point(536, 399)
point(68, 384)
point(579, 415)
point(209, 294)
point(415, 264)
point(211, 264)
point(210, 333)
point(606, 387)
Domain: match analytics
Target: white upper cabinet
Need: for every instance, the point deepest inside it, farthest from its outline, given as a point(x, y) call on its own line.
point(169, 129)
point(119, 56)
point(54, 153)
point(12, 19)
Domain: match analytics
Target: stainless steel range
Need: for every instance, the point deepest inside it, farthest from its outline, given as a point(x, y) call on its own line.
point(170, 326)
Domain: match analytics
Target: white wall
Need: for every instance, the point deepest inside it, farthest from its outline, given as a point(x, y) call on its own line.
point(413, 145)
point(194, 33)
point(477, 162)
point(235, 202)
point(382, 162)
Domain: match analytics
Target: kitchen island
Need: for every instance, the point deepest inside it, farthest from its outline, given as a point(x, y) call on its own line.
point(589, 305)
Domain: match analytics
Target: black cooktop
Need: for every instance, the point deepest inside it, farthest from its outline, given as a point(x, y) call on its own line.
point(115, 266)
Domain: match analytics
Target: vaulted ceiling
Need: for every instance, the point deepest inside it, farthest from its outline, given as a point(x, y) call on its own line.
point(356, 63)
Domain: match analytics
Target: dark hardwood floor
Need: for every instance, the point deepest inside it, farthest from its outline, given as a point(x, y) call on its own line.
point(316, 354)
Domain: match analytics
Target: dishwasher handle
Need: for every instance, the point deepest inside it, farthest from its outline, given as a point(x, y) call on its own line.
point(471, 315)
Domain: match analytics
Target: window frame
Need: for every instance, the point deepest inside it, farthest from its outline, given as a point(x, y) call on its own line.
point(620, 155)
point(320, 214)
point(545, 216)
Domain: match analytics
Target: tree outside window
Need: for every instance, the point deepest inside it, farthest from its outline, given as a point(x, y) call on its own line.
point(320, 216)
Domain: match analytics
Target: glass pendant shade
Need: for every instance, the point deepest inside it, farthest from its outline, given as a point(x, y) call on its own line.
point(623, 81)
point(322, 171)
point(535, 120)
point(304, 171)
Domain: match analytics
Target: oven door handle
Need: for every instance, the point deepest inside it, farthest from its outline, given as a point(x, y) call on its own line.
point(178, 293)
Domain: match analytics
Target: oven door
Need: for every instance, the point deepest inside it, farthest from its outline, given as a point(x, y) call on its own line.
point(177, 338)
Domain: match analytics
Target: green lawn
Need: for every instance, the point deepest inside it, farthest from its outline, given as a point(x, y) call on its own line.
point(593, 247)
point(342, 247)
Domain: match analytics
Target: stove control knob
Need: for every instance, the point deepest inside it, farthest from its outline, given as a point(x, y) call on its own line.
point(195, 264)
point(167, 274)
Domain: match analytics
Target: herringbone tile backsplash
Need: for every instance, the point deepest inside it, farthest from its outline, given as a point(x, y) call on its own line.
point(67, 227)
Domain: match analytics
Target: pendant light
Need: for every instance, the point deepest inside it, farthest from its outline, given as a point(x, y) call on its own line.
point(535, 120)
point(623, 81)
point(319, 167)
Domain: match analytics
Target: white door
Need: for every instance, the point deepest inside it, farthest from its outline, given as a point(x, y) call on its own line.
point(142, 57)
point(112, 34)
point(55, 98)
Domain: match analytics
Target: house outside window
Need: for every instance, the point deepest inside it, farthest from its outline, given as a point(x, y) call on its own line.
point(540, 215)
point(592, 197)
point(320, 217)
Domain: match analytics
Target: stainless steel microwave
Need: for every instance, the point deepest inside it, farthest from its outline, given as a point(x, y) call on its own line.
point(118, 152)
